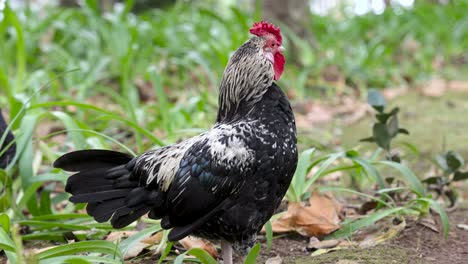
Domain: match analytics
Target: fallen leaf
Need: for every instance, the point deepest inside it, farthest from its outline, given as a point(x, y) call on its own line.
point(145, 89)
point(463, 226)
point(318, 113)
point(459, 86)
point(429, 223)
point(315, 243)
point(394, 92)
point(154, 239)
point(378, 236)
point(434, 88)
point(135, 250)
point(274, 260)
point(319, 218)
point(138, 247)
point(194, 242)
point(119, 235)
point(368, 237)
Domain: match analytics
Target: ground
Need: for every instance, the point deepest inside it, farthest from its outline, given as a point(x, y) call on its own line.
point(416, 244)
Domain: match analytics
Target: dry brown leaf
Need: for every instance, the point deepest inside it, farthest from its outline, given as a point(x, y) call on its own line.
point(394, 92)
point(319, 218)
point(154, 239)
point(459, 86)
point(194, 242)
point(136, 249)
point(318, 113)
point(429, 223)
point(368, 237)
point(145, 89)
point(434, 88)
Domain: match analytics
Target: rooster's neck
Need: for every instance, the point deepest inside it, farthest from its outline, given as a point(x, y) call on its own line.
point(245, 80)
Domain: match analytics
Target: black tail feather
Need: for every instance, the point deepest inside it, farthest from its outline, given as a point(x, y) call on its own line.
point(91, 159)
point(103, 181)
point(99, 196)
point(124, 217)
point(103, 211)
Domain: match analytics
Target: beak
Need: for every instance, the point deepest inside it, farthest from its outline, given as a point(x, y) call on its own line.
point(281, 48)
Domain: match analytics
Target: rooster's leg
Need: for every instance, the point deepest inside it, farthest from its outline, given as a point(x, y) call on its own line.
point(226, 249)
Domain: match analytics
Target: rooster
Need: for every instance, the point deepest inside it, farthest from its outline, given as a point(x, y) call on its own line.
point(222, 185)
point(7, 144)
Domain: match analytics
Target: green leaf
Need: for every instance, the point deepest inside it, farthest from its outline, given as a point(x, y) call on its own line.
point(253, 255)
point(341, 189)
point(454, 160)
point(296, 188)
point(376, 100)
point(349, 228)
point(198, 253)
point(367, 139)
point(128, 243)
point(70, 124)
point(329, 159)
point(370, 170)
point(433, 180)
point(97, 246)
point(8, 245)
point(5, 222)
point(166, 252)
point(45, 205)
point(414, 182)
point(52, 225)
point(382, 117)
point(269, 234)
point(443, 215)
point(442, 162)
point(460, 176)
point(392, 126)
point(403, 131)
point(381, 135)
point(79, 259)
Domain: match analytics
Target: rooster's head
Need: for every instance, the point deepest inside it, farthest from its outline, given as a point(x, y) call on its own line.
point(251, 70)
point(270, 42)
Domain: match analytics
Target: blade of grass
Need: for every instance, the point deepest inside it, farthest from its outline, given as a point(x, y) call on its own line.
point(253, 255)
point(415, 183)
point(97, 246)
point(348, 229)
point(443, 215)
point(198, 253)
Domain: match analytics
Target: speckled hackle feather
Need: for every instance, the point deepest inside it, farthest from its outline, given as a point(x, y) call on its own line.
point(263, 27)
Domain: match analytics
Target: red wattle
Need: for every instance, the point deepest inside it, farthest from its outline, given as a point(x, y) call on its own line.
point(278, 65)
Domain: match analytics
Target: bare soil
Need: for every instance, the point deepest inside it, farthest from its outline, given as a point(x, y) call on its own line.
point(416, 244)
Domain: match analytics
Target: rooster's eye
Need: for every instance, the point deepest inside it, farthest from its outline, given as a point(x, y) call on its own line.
point(272, 44)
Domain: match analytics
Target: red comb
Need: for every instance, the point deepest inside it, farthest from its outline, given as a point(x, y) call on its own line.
point(262, 28)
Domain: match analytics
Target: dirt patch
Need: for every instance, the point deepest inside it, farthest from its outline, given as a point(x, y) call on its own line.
point(382, 254)
point(430, 247)
point(416, 244)
point(292, 246)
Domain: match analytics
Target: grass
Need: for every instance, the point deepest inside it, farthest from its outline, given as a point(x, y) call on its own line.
point(76, 78)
